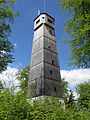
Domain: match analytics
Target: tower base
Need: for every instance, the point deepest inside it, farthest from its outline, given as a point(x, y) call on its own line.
point(42, 98)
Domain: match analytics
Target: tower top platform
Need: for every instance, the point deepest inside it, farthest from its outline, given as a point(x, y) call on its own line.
point(44, 14)
point(43, 18)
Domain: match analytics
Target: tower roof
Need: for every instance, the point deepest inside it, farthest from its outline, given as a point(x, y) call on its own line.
point(45, 14)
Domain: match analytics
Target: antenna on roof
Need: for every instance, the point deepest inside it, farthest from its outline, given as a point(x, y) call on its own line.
point(38, 12)
point(44, 5)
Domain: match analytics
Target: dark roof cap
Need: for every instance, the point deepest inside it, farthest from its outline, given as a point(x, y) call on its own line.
point(45, 14)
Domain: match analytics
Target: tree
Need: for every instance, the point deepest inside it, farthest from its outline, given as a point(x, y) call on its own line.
point(78, 26)
point(1, 86)
point(65, 90)
point(68, 95)
point(50, 107)
point(7, 15)
point(71, 101)
point(13, 106)
point(83, 90)
point(16, 107)
point(23, 76)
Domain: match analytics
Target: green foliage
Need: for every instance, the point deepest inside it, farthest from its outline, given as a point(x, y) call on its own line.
point(67, 95)
point(78, 26)
point(13, 106)
point(65, 90)
point(48, 108)
point(23, 76)
point(83, 90)
point(16, 107)
point(7, 15)
point(1, 86)
point(5, 56)
point(71, 102)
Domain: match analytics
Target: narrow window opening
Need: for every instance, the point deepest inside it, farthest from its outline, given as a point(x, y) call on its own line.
point(50, 71)
point(43, 17)
point(49, 47)
point(52, 62)
point(55, 90)
point(38, 21)
point(50, 31)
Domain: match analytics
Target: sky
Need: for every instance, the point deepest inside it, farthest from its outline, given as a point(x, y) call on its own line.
point(22, 31)
point(22, 37)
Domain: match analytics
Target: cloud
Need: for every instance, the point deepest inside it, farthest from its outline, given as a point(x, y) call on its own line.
point(9, 77)
point(75, 77)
